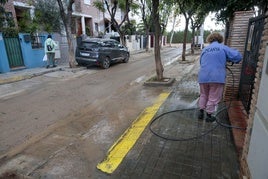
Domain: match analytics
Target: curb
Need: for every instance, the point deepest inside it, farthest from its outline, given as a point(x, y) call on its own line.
point(165, 82)
point(24, 77)
point(14, 79)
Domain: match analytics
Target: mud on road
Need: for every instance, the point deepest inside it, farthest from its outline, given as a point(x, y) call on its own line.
point(86, 126)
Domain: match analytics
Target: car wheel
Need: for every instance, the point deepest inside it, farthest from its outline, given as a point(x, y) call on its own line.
point(126, 58)
point(106, 63)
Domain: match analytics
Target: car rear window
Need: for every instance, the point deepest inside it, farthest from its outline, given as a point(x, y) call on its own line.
point(89, 45)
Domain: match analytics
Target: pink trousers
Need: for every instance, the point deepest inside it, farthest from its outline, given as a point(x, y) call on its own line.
point(210, 96)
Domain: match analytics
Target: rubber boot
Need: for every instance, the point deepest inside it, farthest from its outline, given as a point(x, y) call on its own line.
point(201, 114)
point(210, 118)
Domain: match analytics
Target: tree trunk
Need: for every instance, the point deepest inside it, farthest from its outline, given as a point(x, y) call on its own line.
point(71, 47)
point(122, 38)
point(70, 39)
point(158, 63)
point(185, 38)
point(193, 41)
point(66, 18)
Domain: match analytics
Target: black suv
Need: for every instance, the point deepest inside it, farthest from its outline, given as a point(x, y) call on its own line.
point(101, 52)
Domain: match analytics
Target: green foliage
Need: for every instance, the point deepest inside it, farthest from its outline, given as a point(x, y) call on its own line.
point(129, 28)
point(7, 24)
point(146, 16)
point(2, 2)
point(134, 8)
point(141, 29)
point(99, 5)
point(47, 16)
point(10, 32)
point(26, 24)
point(199, 16)
point(88, 31)
point(225, 9)
point(178, 36)
point(165, 10)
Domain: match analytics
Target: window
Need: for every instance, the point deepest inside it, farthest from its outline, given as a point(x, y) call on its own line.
point(89, 45)
point(108, 44)
point(7, 19)
point(96, 27)
point(36, 41)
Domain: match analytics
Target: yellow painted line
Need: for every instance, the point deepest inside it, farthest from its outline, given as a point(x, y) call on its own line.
point(123, 145)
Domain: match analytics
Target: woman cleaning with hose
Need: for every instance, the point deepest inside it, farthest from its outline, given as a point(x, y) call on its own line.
point(212, 74)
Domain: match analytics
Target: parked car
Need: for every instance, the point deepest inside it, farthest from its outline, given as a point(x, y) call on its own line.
point(101, 52)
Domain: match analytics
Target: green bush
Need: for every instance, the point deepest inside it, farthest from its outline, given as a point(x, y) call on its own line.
point(178, 36)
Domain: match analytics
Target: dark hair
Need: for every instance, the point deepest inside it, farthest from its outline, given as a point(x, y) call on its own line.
point(49, 36)
point(215, 37)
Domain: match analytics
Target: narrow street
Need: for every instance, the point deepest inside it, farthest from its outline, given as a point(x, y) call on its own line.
point(85, 110)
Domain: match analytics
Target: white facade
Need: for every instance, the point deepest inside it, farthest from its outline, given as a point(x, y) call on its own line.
point(257, 155)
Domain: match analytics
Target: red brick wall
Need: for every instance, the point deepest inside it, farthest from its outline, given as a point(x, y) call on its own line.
point(9, 7)
point(236, 39)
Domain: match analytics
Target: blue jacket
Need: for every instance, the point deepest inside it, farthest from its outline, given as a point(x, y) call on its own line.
point(213, 62)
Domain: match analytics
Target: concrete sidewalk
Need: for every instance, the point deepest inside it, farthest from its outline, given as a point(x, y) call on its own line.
point(178, 145)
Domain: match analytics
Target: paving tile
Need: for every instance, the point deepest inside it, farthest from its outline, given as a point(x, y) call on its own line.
point(202, 150)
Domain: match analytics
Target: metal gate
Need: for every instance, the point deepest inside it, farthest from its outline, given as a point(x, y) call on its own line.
point(14, 53)
point(250, 60)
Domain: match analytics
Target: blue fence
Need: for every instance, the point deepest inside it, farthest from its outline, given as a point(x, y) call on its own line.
point(32, 51)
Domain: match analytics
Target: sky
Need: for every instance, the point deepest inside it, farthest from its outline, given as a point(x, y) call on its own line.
point(209, 24)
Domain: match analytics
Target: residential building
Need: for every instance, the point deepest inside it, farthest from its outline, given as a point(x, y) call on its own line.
point(87, 19)
point(17, 9)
